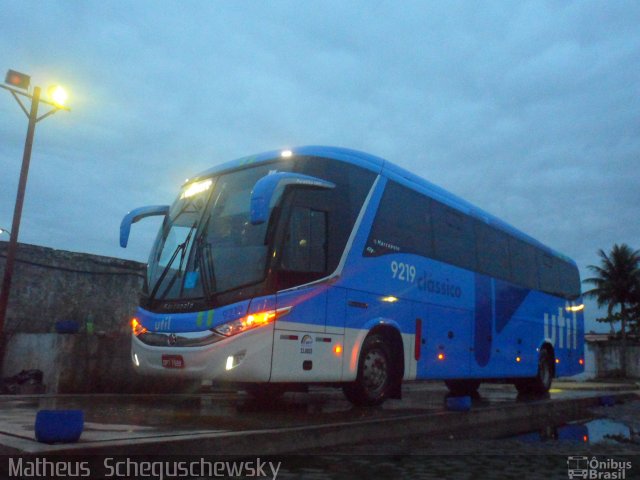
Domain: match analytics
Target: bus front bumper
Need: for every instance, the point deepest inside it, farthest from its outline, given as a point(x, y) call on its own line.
point(245, 357)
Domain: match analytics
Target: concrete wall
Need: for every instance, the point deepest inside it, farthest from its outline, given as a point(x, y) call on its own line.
point(608, 355)
point(73, 363)
point(50, 285)
point(81, 363)
point(590, 364)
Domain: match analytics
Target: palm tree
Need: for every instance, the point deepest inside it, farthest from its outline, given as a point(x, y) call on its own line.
point(616, 284)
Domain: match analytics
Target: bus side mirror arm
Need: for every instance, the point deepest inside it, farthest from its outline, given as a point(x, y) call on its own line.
point(264, 189)
point(136, 215)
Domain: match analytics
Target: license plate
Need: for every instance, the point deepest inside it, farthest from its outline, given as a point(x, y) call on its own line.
point(172, 361)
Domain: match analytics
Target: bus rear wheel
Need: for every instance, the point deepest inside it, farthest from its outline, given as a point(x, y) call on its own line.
point(375, 374)
point(541, 383)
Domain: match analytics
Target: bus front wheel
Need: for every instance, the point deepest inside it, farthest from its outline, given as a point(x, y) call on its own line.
point(375, 374)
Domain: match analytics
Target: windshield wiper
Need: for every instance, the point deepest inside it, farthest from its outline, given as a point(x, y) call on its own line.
point(204, 260)
point(181, 248)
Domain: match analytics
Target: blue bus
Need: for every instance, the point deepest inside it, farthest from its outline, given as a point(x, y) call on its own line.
point(323, 265)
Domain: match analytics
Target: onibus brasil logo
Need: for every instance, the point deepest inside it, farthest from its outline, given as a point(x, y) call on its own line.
point(593, 468)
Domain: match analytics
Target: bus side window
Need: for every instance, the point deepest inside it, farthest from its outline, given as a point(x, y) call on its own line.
point(569, 280)
point(402, 223)
point(524, 267)
point(548, 272)
point(454, 237)
point(493, 251)
point(305, 247)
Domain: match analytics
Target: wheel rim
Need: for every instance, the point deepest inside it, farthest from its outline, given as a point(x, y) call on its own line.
point(375, 371)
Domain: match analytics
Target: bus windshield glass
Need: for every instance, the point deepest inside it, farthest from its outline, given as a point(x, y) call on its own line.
point(208, 244)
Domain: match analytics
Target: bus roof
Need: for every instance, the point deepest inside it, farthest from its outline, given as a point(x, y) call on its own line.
point(391, 171)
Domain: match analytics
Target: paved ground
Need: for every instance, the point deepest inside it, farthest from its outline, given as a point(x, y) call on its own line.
point(537, 446)
point(606, 433)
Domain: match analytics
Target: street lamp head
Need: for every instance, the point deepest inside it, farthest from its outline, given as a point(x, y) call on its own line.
point(17, 79)
point(58, 95)
point(4, 230)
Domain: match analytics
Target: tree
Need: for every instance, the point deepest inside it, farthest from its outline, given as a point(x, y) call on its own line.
point(617, 284)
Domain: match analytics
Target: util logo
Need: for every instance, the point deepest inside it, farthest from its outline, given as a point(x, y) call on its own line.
point(163, 325)
point(562, 330)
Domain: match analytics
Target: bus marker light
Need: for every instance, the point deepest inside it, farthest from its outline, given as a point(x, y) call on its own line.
point(557, 360)
point(196, 188)
point(137, 328)
point(441, 356)
point(286, 153)
point(575, 308)
point(518, 359)
point(337, 349)
point(389, 299)
point(581, 361)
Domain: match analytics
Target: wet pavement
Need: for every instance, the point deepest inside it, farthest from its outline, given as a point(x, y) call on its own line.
point(233, 423)
point(607, 435)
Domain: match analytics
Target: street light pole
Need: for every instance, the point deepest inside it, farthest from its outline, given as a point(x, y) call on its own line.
point(19, 82)
point(17, 211)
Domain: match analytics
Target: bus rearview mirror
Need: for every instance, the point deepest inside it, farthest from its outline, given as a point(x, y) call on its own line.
point(264, 189)
point(136, 215)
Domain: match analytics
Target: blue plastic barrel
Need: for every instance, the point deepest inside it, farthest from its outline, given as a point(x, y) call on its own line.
point(63, 426)
point(459, 404)
point(67, 326)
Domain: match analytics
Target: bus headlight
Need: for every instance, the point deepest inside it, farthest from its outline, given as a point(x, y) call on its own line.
point(250, 321)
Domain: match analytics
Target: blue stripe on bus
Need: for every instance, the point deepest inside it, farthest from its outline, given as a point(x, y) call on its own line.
point(483, 320)
point(509, 297)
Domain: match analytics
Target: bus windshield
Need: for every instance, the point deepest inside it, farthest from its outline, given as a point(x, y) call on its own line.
point(208, 247)
point(208, 244)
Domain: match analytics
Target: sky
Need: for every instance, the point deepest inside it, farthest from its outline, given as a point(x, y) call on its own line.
point(528, 109)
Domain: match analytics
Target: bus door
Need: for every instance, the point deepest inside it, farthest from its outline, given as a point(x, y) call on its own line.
point(303, 261)
point(303, 351)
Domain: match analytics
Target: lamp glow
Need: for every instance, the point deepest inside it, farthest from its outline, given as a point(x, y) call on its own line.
point(286, 153)
point(576, 308)
point(58, 95)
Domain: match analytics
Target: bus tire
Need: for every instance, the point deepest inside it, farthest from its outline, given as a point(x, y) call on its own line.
point(541, 383)
point(463, 387)
point(375, 374)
